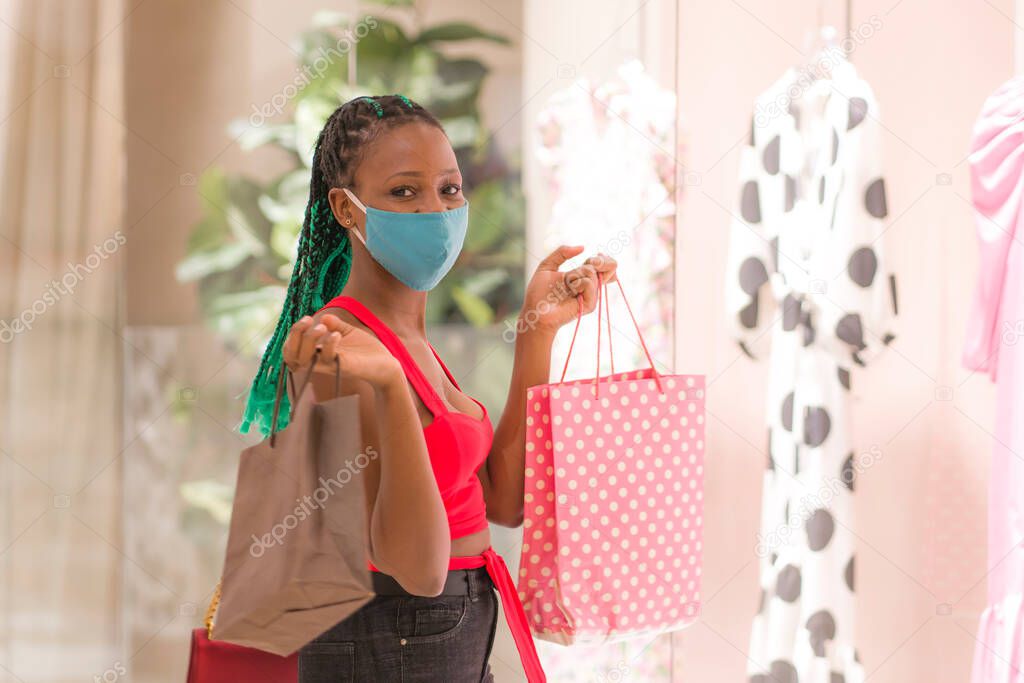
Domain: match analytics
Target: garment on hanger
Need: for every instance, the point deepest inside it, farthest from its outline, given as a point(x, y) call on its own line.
point(995, 345)
point(607, 152)
point(807, 236)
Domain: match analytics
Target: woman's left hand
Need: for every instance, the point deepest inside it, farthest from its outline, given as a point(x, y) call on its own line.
point(551, 301)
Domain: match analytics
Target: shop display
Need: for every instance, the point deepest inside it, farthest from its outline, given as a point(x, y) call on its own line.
point(807, 236)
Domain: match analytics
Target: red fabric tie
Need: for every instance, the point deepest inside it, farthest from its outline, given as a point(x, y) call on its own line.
point(514, 615)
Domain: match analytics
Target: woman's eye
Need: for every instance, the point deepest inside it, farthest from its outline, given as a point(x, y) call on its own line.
point(404, 191)
point(452, 189)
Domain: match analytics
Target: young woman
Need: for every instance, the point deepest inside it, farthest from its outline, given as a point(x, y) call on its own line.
point(385, 222)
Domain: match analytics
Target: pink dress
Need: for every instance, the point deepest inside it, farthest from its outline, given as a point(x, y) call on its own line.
point(995, 344)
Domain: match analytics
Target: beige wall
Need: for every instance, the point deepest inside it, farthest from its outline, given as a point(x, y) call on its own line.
point(182, 87)
point(931, 65)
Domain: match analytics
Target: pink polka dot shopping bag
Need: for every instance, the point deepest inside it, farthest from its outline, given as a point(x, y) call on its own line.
point(612, 533)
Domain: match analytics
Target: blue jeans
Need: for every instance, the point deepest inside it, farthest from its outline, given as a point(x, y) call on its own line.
point(407, 638)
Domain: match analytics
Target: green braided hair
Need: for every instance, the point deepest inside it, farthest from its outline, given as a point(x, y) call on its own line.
point(324, 259)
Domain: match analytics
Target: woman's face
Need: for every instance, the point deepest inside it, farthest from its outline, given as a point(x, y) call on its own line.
point(411, 169)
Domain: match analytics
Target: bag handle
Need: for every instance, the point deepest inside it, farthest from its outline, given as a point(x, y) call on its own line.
point(210, 610)
point(279, 393)
point(579, 316)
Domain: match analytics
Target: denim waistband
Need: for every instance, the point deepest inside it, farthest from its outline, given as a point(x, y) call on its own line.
point(470, 582)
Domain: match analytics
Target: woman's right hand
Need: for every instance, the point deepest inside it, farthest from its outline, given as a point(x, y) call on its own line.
point(360, 354)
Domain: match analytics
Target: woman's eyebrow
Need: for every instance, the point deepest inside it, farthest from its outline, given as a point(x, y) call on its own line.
point(417, 174)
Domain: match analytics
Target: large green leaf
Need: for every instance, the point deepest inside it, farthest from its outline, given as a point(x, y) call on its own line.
point(473, 307)
point(203, 263)
point(247, 318)
point(457, 31)
point(233, 228)
point(484, 282)
point(383, 57)
point(241, 301)
point(246, 220)
point(310, 115)
point(326, 48)
point(488, 210)
point(286, 200)
point(213, 229)
point(394, 3)
point(285, 243)
point(439, 301)
point(257, 131)
point(329, 18)
point(463, 131)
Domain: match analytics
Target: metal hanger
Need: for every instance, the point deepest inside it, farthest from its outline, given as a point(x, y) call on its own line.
point(820, 40)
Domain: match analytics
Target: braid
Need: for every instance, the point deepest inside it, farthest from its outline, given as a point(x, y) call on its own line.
point(324, 259)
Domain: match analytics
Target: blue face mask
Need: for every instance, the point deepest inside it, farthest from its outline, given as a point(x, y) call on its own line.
point(417, 248)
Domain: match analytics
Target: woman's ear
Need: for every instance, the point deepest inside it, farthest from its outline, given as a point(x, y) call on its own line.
point(342, 207)
point(345, 212)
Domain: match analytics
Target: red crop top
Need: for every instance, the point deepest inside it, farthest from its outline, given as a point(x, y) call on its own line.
point(457, 443)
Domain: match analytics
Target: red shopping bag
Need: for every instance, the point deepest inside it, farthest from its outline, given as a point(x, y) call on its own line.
point(217, 661)
point(612, 532)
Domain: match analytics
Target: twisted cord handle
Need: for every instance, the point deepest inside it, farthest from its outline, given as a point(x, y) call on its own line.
point(579, 316)
point(210, 610)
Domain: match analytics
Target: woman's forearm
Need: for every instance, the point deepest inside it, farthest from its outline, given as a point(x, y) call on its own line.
point(409, 527)
point(506, 463)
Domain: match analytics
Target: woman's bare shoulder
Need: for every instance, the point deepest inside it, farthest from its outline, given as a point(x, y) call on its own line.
point(342, 313)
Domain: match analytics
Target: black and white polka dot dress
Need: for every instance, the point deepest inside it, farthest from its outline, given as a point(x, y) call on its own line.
point(808, 290)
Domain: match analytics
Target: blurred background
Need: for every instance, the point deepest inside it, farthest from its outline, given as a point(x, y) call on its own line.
point(154, 168)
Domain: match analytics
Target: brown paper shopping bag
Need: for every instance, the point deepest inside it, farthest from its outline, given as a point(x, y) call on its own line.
point(296, 554)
